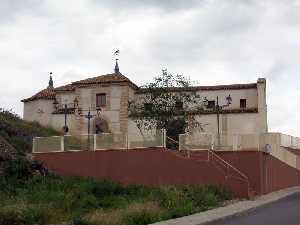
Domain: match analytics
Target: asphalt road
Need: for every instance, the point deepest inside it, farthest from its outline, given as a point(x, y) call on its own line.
point(283, 212)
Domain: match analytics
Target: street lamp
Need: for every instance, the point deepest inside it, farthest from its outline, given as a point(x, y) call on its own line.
point(219, 109)
point(66, 129)
point(89, 116)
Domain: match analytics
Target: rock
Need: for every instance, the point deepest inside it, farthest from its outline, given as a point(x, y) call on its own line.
point(7, 153)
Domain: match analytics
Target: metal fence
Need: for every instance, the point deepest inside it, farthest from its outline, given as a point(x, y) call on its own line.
point(94, 142)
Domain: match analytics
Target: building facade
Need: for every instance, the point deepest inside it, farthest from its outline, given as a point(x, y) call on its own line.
point(111, 93)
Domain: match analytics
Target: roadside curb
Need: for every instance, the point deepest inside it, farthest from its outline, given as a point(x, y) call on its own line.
point(234, 210)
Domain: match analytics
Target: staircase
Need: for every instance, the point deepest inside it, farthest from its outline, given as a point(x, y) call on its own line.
point(228, 171)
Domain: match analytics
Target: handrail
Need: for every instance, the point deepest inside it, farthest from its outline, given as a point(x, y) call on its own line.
point(172, 140)
point(229, 165)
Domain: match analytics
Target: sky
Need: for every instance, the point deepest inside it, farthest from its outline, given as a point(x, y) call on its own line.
point(210, 41)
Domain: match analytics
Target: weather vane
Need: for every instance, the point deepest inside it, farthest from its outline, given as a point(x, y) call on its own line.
point(116, 54)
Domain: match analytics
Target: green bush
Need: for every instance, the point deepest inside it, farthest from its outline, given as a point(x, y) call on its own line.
point(19, 133)
point(63, 199)
point(182, 210)
point(81, 222)
point(22, 214)
point(19, 169)
point(113, 202)
point(108, 188)
point(141, 218)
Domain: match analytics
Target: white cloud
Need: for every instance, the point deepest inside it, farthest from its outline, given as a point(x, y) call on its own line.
point(211, 41)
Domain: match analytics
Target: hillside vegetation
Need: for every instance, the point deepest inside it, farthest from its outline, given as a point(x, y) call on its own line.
point(19, 133)
point(85, 201)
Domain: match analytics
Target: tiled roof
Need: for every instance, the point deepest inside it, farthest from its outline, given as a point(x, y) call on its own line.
point(68, 87)
point(208, 88)
point(48, 93)
point(102, 79)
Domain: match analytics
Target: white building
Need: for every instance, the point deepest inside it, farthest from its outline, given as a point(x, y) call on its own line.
point(112, 92)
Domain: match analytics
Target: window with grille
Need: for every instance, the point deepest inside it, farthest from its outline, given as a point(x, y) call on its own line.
point(243, 103)
point(211, 104)
point(179, 105)
point(100, 100)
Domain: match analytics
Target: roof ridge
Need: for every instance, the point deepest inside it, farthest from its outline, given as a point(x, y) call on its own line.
point(211, 87)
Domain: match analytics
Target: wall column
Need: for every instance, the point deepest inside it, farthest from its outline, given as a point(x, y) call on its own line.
point(262, 105)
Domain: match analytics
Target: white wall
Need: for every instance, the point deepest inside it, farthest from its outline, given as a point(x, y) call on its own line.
point(39, 111)
point(115, 110)
point(249, 94)
point(235, 123)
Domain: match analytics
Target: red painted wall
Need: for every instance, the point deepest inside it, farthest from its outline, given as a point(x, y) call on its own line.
point(145, 166)
point(160, 167)
point(266, 173)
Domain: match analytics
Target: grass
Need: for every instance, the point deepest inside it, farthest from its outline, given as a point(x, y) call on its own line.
point(19, 132)
point(75, 200)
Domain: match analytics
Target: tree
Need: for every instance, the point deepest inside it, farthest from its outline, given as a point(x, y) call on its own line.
point(169, 102)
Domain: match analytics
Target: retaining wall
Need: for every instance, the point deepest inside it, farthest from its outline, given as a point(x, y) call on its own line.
point(156, 167)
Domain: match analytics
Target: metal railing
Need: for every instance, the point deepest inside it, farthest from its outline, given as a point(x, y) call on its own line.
point(209, 156)
point(229, 170)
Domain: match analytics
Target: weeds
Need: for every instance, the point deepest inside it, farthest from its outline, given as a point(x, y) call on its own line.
point(74, 200)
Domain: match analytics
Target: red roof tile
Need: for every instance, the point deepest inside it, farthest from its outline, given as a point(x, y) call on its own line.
point(102, 79)
point(68, 87)
point(47, 93)
point(50, 93)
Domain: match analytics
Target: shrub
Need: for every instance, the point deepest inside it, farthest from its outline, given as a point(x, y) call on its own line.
point(80, 221)
point(113, 202)
point(143, 213)
point(171, 197)
point(18, 169)
point(108, 188)
point(141, 218)
point(23, 214)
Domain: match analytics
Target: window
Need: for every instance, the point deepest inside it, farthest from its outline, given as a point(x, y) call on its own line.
point(243, 103)
point(211, 104)
point(179, 105)
point(100, 100)
point(148, 106)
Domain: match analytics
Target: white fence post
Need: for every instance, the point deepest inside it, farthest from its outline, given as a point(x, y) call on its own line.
point(127, 141)
point(164, 138)
point(62, 143)
point(95, 142)
point(33, 145)
point(212, 141)
point(180, 142)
